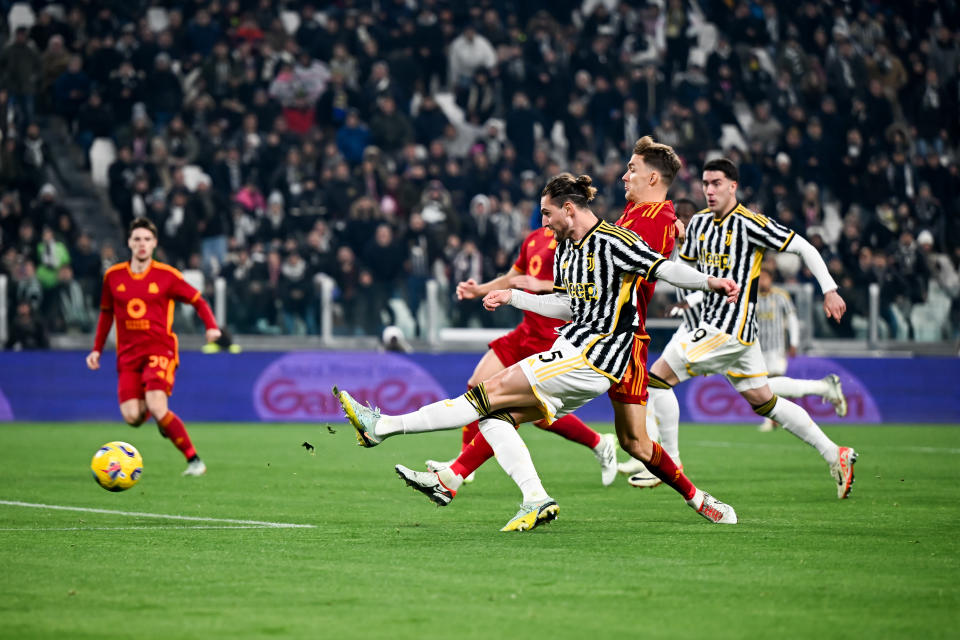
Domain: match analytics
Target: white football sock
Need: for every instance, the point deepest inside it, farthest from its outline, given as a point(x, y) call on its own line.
point(512, 454)
point(797, 421)
point(450, 479)
point(667, 411)
point(653, 427)
point(696, 500)
point(446, 414)
point(794, 388)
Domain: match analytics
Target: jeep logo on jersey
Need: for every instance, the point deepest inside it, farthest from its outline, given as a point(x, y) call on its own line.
point(297, 386)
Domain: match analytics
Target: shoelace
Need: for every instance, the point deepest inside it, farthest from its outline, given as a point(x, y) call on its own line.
point(711, 512)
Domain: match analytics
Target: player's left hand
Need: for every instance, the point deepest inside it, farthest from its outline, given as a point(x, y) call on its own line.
point(213, 335)
point(497, 298)
point(725, 286)
point(681, 230)
point(833, 305)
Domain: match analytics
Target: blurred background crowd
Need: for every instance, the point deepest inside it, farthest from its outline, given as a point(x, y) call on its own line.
point(386, 143)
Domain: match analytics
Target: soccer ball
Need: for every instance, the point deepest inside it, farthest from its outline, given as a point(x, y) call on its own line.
point(116, 466)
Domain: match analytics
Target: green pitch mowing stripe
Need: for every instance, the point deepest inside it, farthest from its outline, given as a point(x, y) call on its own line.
point(383, 562)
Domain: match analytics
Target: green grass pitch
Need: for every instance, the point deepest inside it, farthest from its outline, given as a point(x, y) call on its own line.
point(380, 561)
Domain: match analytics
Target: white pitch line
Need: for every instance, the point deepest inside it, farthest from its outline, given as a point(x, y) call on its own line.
point(169, 528)
point(167, 516)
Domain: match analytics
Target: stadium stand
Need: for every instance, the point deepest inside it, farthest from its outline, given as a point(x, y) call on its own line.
point(389, 144)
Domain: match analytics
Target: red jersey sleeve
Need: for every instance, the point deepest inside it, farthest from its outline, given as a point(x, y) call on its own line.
point(105, 321)
point(182, 291)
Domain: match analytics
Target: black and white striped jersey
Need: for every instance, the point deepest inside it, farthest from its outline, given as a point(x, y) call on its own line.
point(689, 314)
point(732, 246)
point(599, 274)
point(773, 310)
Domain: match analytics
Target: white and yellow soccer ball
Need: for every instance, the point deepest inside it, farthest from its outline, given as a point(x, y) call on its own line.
point(117, 466)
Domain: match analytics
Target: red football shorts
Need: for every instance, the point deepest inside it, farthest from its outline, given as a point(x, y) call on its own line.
point(632, 388)
point(145, 373)
point(521, 343)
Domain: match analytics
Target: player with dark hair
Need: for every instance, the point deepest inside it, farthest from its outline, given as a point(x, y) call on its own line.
point(729, 240)
point(595, 271)
point(141, 294)
point(532, 272)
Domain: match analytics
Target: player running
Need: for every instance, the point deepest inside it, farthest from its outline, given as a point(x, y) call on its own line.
point(595, 269)
point(141, 294)
point(777, 319)
point(729, 240)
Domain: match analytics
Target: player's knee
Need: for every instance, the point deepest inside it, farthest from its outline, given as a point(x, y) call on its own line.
point(639, 448)
point(656, 382)
point(134, 419)
point(765, 408)
point(157, 410)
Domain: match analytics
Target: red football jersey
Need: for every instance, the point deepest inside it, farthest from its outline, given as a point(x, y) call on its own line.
point(654, 222)
point(143, 304)
point(536, 260)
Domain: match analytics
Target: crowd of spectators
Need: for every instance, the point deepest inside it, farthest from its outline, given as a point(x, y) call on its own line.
point(388, 143)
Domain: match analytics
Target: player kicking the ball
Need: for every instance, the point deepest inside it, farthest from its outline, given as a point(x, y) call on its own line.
point(141, 294)
point(595, 271)
point(648, 176)
point(533, 272)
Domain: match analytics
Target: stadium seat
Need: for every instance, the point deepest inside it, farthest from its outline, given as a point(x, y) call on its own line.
point(157, 19)
point(102, 154)
point(21, 15)
point(402, 318)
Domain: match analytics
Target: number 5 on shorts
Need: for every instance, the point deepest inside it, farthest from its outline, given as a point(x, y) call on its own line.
point(550, 357)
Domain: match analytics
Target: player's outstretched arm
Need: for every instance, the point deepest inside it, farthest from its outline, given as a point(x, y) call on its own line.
point(680, 275)
point(833, 304)
point(551, 305)
point(530, 283)
point(471, 289)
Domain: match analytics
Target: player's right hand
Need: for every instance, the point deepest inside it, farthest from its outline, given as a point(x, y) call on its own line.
point(725, 286)
point(93, 360)
point(468, 289)
point(497, 298)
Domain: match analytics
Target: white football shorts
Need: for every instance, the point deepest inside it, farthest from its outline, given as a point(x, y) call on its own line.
point(562, 379)
point(706, 351)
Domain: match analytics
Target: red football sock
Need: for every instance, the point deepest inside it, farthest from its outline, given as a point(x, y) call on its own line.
point(469, 433)
point(572, 428)
point(663, 466)
point(172, 427)
point(474, 454)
